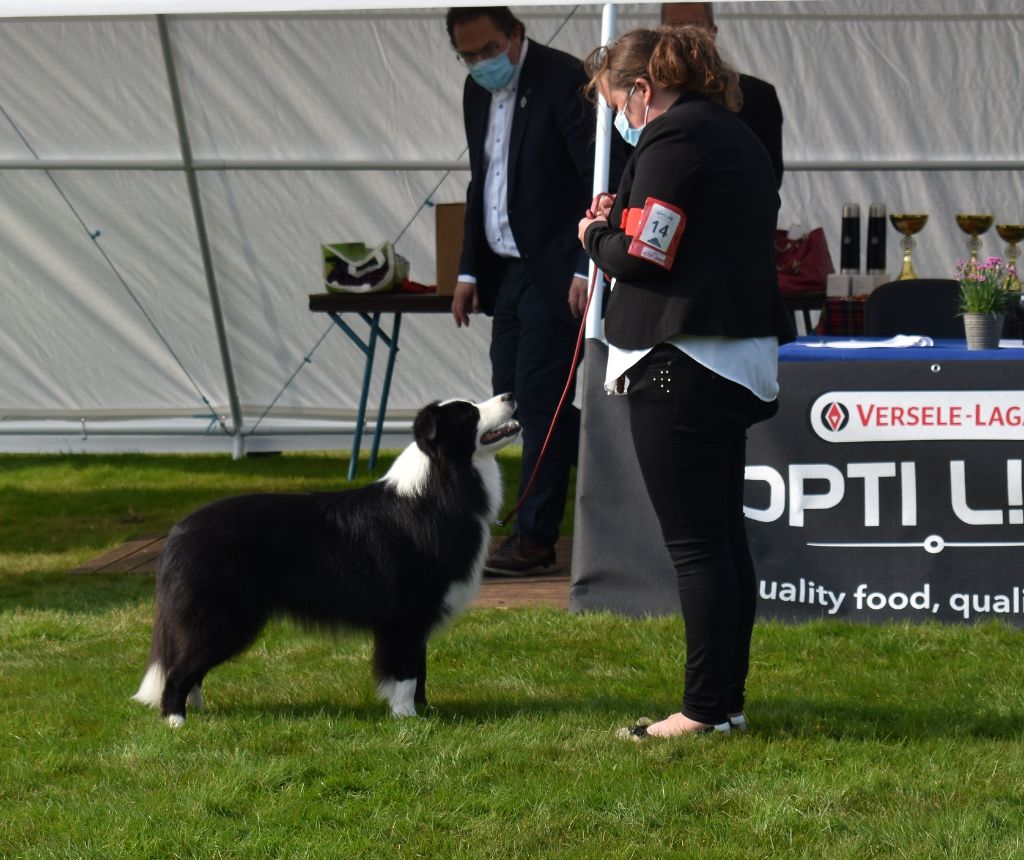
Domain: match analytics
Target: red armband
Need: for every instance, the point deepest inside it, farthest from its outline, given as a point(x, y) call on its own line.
point(630, 221)
point(656, 233)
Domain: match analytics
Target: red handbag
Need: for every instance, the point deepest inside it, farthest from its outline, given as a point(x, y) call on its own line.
point(803, 263)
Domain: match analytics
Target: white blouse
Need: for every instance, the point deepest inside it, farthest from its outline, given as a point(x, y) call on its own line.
point(752, 362)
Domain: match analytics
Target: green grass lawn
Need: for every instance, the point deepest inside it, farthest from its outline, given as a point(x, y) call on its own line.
point(891, 741)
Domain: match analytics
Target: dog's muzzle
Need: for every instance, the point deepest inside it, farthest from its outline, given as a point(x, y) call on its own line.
point(499, 433)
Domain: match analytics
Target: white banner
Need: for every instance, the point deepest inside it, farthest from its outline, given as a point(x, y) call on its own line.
point(907, 416)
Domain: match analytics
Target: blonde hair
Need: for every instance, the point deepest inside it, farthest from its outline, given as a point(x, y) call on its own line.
point(671, 57)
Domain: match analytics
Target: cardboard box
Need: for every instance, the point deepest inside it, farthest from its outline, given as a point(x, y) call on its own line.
point(448, 244)
point(837, 286)
point(864, 285)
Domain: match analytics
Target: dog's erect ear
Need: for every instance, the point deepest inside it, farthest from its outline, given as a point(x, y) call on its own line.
point(424, 428)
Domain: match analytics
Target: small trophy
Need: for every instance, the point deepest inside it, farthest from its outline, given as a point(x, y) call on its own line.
point(1012, 233)
point(974, 226)
point(908, 224)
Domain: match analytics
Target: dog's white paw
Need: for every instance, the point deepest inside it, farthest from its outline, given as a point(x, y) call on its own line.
point(175, 721)
point(404, 711)
point(401, 695)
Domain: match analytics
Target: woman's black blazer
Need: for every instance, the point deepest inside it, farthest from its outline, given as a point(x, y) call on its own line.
point(701, 158)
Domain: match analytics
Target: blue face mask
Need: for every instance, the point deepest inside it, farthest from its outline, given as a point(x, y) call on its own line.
point(629, 134)
point(493, 74)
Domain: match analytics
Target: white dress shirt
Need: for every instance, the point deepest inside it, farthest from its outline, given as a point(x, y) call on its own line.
point(497, 229)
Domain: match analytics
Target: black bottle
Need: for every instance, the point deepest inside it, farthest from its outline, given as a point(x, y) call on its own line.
point(849, 253)
point(876, 239)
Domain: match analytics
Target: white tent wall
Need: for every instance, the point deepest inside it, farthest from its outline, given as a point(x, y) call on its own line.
point(866, 88)
point(72, 338)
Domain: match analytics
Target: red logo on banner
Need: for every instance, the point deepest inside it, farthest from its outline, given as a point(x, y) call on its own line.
point(835, 416)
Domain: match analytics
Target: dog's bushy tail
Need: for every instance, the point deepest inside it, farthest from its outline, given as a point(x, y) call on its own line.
point(151, 690)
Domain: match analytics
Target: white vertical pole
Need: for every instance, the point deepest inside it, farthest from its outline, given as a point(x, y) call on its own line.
point(602, 151)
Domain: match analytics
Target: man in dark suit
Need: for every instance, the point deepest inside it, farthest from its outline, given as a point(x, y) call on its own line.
point(531, 153)
point(761, 110)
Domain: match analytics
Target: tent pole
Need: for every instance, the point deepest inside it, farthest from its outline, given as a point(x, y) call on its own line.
point(238, 447)
point(602, 152)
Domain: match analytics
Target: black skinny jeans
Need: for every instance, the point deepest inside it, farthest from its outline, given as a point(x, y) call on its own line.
point(689, 430)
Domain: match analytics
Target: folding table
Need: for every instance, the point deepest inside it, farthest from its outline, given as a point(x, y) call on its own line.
point(369, 308)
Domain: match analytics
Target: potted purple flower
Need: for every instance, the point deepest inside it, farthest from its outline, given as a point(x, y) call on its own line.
point(983, 300)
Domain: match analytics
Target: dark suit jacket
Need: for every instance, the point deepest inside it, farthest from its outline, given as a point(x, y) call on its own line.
point(551, 168)
point(699, 157)
point(763, 113)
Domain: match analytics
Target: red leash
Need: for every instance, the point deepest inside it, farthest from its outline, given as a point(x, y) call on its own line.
point(558, 410)
point(568, 382)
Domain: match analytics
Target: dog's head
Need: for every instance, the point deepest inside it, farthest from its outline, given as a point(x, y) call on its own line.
point(458, 428)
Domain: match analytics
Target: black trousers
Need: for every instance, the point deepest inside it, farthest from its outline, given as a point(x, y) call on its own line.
point(689, 431)
point(531, 353)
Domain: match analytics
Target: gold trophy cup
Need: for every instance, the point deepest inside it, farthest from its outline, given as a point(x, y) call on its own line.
point(1012, 233)
point(974, 226)
point(908, 224)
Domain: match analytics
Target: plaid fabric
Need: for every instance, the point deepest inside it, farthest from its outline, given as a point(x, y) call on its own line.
point(842, 316)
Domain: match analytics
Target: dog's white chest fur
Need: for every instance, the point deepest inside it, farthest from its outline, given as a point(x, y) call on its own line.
point(490, 475)
point(461, 594)
point(408, 476)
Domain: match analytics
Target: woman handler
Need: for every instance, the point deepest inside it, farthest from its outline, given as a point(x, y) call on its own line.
point(694, 323)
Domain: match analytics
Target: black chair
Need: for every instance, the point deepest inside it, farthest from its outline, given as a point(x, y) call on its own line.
point(800, 306)
point(927, 306)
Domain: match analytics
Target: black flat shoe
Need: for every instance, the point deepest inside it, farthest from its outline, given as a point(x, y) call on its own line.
point(638, 732)
point(739, 723)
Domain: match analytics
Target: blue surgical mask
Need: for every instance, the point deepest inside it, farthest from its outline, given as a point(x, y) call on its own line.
point(495, 73)
point(629, 134)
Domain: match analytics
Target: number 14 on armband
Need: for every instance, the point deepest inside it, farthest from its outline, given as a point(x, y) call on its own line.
point(658, 232)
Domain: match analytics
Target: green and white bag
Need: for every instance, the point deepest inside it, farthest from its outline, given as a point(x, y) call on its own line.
point(351, 267)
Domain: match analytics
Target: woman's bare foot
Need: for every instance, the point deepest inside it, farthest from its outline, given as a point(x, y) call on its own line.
point(680, 724)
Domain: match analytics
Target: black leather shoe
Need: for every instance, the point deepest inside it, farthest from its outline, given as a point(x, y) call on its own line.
point(519, 556)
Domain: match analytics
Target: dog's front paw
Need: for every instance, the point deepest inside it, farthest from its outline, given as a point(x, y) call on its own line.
point(401, 695)
point(404, 711)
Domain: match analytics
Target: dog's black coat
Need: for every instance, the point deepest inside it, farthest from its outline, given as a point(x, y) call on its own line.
point(383, 557)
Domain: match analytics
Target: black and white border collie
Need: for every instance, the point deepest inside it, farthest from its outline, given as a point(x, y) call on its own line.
point(400, 557)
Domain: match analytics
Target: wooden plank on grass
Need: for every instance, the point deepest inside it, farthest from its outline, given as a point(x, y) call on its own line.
point(107, 561)
point(143, 561)
point(508, 592)
point(547, 589)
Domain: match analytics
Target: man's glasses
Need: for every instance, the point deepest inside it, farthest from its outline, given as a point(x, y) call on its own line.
point(487, 52)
